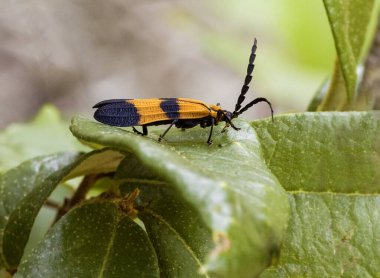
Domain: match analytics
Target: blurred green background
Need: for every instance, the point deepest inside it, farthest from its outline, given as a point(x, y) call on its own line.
point(76, 53)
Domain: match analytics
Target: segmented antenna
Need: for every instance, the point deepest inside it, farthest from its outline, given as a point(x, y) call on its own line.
point(255, 101)
point(248, 77)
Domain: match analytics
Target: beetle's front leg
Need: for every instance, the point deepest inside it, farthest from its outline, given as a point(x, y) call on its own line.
point(225, 127)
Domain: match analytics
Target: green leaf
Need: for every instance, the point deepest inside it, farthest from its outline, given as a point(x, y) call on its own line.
point(329, 164)
point(331, 235)
point(329, 151)
point(180, 237)
point(20, 142)
point(93, 240)
point(349, 22)
point(24, 189)
point(15, 187)
point(227, 185)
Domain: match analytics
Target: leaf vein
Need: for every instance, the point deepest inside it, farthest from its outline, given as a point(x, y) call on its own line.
point(350, 194)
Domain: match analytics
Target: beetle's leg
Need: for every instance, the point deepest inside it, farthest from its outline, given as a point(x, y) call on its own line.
point(166, 131)
point(209, 141)
point(229, 123)
point(136, 131)
point(144, 133)
point(234, 127)
point(225, 127)
point(145, 130)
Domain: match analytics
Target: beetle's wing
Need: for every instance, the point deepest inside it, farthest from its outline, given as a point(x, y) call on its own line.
point(192, 108)
point(132, 112)
point(166, 109)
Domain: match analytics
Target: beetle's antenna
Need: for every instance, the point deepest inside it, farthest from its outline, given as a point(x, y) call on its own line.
point(253, 102)
point(247, 79)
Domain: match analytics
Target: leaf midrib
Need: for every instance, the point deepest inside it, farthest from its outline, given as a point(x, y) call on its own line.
point(109, 246)
point(176, 234)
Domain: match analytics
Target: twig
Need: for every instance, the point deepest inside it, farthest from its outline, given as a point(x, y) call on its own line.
point(52, 204)
point(79, 195)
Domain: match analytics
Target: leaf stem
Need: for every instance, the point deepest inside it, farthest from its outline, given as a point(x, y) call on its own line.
point(369, 91)
point(79, 195)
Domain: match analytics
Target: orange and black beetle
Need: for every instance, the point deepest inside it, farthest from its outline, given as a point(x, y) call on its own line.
point(181, 112)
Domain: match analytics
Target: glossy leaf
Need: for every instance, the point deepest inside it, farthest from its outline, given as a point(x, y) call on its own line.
point(15, 187)
point(329, 164)
point(94, 240)
point(180, 237)
point(24, 189)
point(331, 235)
point(227, 184)
point(328, 151)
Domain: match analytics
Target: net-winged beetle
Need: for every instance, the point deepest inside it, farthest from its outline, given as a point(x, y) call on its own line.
point(181, 112)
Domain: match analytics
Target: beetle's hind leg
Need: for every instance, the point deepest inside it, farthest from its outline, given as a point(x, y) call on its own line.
point(144, 133)
point(166, 131)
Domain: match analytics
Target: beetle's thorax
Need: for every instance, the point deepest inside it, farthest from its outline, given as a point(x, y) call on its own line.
point(215, 111)
point(219, 114)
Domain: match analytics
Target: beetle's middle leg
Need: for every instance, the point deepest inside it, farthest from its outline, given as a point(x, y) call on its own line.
point(209, 140)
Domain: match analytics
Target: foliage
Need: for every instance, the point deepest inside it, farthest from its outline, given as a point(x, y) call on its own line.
point(349, 39)
point(294, 197)
point(20, 142)
point(349, 23)
point(332, 179)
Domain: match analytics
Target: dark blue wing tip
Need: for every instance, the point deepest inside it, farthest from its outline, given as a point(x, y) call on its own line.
point(109, 101)
point(116, 112)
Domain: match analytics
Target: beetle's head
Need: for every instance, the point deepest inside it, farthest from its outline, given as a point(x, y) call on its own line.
point(223, 116)
point(227, 116)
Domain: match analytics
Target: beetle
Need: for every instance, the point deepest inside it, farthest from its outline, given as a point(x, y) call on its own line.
point(182, 112)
